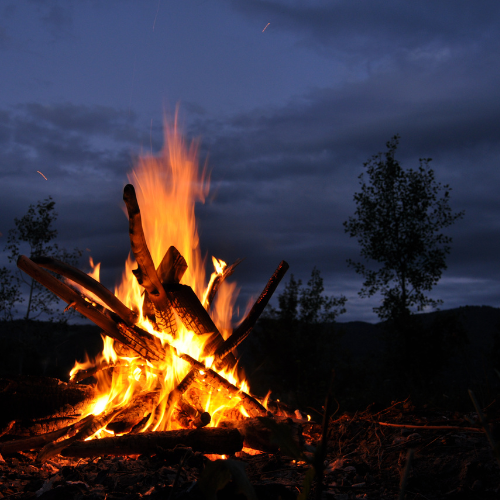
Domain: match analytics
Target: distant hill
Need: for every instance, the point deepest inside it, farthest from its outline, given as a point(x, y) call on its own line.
point(50, 349)
point(481, 324)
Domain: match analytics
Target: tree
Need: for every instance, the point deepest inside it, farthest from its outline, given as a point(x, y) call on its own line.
point(34, 233)
point(9, 294)
point(398, 222)
point(300, 340)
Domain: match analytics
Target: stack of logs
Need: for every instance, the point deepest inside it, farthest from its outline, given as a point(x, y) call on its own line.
point(164, 299)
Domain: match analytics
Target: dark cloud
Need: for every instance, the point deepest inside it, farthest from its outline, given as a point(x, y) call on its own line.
point(378, 29)
point(283, 175)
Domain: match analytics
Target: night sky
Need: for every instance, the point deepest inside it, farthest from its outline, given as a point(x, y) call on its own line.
point(286, 115)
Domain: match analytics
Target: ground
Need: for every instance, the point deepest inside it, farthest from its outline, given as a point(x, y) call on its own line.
point(365, 460)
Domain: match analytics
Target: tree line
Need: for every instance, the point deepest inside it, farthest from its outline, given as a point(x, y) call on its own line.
point(398, 223)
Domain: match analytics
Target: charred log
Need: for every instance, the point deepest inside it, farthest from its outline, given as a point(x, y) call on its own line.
point(41, 405)
point(36, 442)
point(172, 267)
point(251, 405)
point(146, 273)
point(260, 433)
point(242, 332)
point(207, 440)
point(109, 299)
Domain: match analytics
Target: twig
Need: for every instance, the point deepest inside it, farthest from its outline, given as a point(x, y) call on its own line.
point(319, 464)
point(406, 474)
point(486, 428)
point(189, 452)
point(7, 428)
point(432, 427)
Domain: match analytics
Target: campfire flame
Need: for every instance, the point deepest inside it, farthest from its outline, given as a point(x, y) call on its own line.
point(167, 187)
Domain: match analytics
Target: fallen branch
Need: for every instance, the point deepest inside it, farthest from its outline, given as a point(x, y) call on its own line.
point(209, 440)
point(432, 427)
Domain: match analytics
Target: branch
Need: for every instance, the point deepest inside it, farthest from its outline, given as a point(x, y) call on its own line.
point(432, 427)
point(242, 332)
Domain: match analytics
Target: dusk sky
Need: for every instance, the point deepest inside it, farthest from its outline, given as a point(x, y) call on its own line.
point(288, 99)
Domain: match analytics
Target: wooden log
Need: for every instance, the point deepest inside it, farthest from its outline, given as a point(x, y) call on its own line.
point(146, 273)
point(242, 332)
point(71, 297)
point(217, 282)
point(36, 442)
point(259, 433)
point(189, 417)
point(140, 406)
point(189, 309)
point(172, 267)
point(210, 440)
point(41, 404)
point(109, 299)
point(94, 424)
point(251, 405)
point(140, 341)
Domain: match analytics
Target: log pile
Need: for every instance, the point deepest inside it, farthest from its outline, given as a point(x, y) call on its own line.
point(167, 303)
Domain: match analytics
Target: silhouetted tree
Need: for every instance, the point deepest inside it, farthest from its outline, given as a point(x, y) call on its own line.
point(299, 339)
point(9, 293)
point(398, 222)
point(34, 236)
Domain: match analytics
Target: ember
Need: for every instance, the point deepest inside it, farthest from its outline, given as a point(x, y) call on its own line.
point(166, 366)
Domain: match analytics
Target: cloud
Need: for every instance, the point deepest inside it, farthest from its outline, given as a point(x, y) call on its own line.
point(373, 30)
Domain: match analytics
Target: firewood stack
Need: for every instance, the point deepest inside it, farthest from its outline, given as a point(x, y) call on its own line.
point(165, 301)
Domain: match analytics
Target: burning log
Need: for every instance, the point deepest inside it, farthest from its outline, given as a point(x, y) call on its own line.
point(242, 332)
point(71, 297)
point(137, 409)
point(109, 299)
point(208, 376)
point(140, 341)
point(41, 405)
point(36, 442)
point(188, 416)
point(91, 425)
point(146, 273)
point(172, 267)
point(259, 433)
point(190, 310)
point(206, 440)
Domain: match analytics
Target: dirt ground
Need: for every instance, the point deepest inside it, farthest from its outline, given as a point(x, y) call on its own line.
point(365, 460)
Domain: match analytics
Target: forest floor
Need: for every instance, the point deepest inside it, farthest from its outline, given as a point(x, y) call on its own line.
point(365, 460)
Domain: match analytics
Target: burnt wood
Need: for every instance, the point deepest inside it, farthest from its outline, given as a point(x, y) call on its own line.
point(172, 267)
point(109, 299)
point(146, 273)
point(208, 376)
point(258, 434)
point(242, 332)
point(206, 440)
point(36, 442)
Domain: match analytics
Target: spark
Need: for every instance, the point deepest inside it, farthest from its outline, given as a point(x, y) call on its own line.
point(42, 174)
point(266, 27)
point(156, 14)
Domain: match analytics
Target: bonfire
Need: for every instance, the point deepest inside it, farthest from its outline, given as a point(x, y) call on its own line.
point(168, 362)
